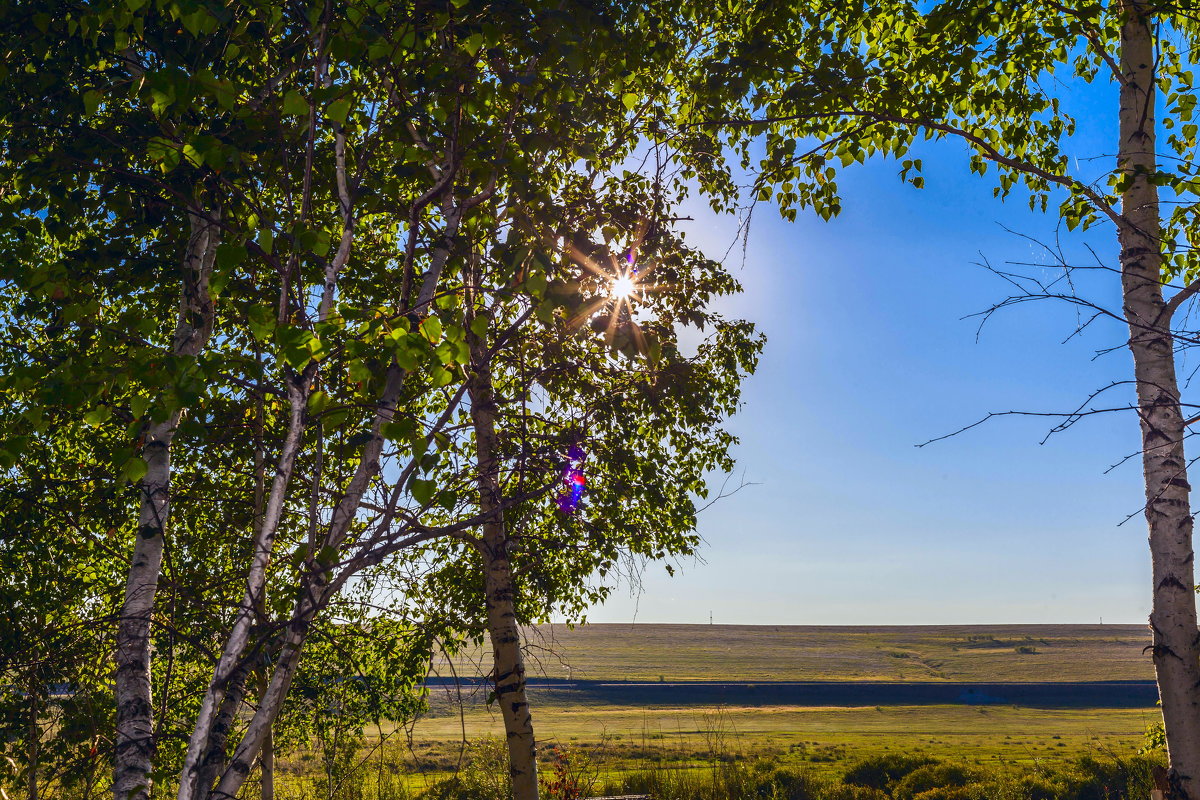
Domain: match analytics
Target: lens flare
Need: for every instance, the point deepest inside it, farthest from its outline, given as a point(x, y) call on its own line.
point(622, 287)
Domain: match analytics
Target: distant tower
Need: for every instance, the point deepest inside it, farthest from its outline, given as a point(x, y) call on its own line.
point(710, 618)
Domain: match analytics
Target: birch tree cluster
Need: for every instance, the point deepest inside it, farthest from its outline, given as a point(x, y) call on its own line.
point(306, 304)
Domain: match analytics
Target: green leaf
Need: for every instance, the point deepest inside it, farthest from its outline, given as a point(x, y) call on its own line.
point(295, 104)
point(630, 100)
point(97, 416)
point(295, 344)
point(407, 356)
point(261, 320)
point(536, 284)
point(327, 555)
point(230, 254)
point(423, 491)
point(318, 401)
point(338, 110)
point(472, 44)
point(194, 156)
point(432, 328)
point(400, 430)
point(359, 371)
point(138, 405)
point(134, 469)
point(445, 352)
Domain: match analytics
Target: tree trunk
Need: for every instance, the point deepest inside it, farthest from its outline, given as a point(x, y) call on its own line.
point(314, 588)
point(134, 752)
point(311, 600)
point(313, 594)
point(214, 760)
point(33, 746)
point(190, 785)
point(509, 664)
point(1168, 511)
point(507, 659)
point(266, 767)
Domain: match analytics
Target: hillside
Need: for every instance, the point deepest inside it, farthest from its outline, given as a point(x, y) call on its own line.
point(648, 652)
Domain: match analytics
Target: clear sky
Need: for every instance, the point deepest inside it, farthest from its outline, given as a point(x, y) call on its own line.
point(868, 355)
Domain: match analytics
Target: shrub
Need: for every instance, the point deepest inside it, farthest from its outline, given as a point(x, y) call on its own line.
point(923, 781)
point(1113, 779)
point(850, 791)
point(484, 777)
point(948, 793)
point(880, 772)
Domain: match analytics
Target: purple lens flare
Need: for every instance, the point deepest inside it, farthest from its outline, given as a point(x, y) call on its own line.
point(573, 481)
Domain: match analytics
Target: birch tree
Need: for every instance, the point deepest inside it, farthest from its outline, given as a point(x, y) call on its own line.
point(305, 176)
point(600, 371)
point(982, 74)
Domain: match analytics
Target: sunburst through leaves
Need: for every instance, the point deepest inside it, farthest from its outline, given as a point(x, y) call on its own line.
point(622, 284)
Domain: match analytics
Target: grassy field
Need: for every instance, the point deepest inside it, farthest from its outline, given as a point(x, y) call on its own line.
point(821, 739)
point(620, 740)
point(805, 653)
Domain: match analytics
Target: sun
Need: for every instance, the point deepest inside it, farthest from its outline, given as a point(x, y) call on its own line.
point(622, 287)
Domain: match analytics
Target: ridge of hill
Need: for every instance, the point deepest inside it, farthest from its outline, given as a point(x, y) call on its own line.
point(670, 652)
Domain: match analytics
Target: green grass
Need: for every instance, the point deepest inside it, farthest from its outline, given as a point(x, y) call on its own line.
point(647, 652)
point(621, 740)
point(821, 738)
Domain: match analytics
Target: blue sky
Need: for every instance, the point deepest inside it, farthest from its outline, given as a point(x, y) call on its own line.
point(868, 355)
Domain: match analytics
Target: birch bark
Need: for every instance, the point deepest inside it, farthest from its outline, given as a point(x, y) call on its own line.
point(505, 635)
point(195, 780)
point(191, 782)
point(1168, 511)
point(313, 592)
point(134, 752)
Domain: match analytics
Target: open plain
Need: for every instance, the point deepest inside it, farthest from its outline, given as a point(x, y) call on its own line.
point(648, 695)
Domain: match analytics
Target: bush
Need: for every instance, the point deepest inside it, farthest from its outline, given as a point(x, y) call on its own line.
point(727, 781)
point(485, 776)
point(924, 780)
point(880, 772)
point(850, 791)
point(948, 793)
point(1113, 779)
point(785, 784)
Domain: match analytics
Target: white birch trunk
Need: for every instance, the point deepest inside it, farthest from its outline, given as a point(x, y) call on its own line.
point(508, 662)
point(213, 762)
point(312, 598)
point(314, 585)
point(192, 783)
point(1168, 511)
point(134, 752)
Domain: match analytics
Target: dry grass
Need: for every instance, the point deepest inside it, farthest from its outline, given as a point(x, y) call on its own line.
point(908, 653)
point(822, 738)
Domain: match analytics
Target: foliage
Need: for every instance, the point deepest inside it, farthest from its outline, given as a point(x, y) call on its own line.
point(1089, 778)
point(946, 777)
point(357, 158)
point(572, 774)
point(484, 775)
point(883, 771)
